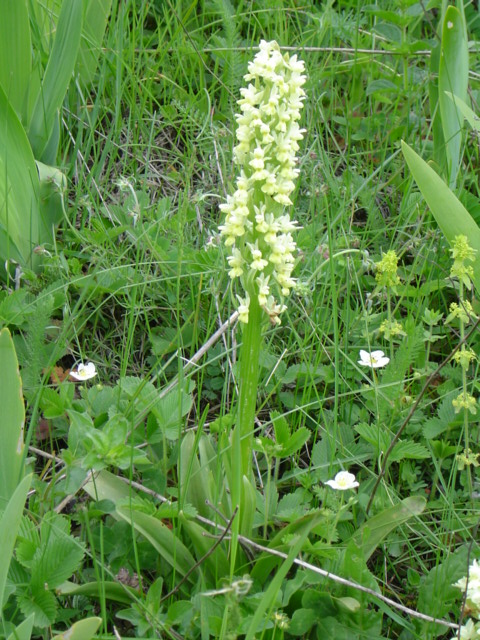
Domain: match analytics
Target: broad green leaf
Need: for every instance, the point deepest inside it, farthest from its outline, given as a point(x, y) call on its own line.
point(9, 525)
point(296, 442)
point(19, 186)
point(114, 591)
point(195, 480)
point(107, 486)
point(281, 428)
point(24, 630)
point(247, 507)
point(376, 528)
point(58, 74)
point(15, 52)
point(163, 539)
point(53, 184)
point(95, 18)
point(13, 419)
point(217, 562)
point(41, 603)
point(453, 77)
point(58, 556)
point(450, 214)
point(267, 563)
point(82, 630)
point(470, 115)
point(409, 450)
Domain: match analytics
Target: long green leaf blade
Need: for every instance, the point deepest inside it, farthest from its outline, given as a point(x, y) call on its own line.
point(19, 185)
point(381, 524)
point(15, 53)
point(453, 77)
point(13, 418)
point(57, 77)
point(450, 214)
point(9, 525)
point(94, 24)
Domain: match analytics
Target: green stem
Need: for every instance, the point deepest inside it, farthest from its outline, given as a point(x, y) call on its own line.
point(249, 369)
point(242, 436)
point(464, 391)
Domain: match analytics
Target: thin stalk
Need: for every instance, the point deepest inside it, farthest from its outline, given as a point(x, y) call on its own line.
point(249, 369)
point(242, 436)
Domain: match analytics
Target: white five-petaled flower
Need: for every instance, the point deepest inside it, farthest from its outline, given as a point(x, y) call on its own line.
point(375, 359)
point(343, 481)
point(84, 371)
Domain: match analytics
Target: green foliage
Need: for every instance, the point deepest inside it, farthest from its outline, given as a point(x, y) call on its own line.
point(49, 556)
point(32, 92)
point(13, 421)
point(135, 280)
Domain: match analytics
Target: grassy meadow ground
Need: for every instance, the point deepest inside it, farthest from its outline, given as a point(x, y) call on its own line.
point(132, 468)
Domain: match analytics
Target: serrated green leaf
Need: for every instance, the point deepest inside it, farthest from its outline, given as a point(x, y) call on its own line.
point(444, 420)
point(41, 603)
point(297, 440)
point(281, 427)
point(56, 561)
point(409, 450)
point(374, 435)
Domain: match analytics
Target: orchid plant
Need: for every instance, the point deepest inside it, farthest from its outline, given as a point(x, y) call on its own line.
point(257, 229)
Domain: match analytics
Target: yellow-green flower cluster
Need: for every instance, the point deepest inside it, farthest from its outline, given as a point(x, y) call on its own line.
point(391, 329)
point(256, 226)
point(461, 253)
point(465, 401)
point(463, 312)
point(386, 275)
